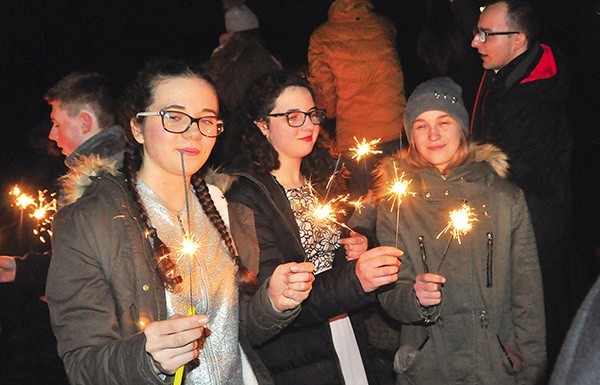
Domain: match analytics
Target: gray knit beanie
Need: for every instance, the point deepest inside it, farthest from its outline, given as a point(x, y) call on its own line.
point(440, 94)
point(240, 18)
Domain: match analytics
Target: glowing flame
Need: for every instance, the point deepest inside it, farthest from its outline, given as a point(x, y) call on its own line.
point(398, 189)
point(364, 148)
point(22, 200)
point(461, 222)
point(189, 246)
point(358, 204)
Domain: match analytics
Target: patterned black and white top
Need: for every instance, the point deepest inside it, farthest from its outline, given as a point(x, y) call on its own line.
point(319, 239)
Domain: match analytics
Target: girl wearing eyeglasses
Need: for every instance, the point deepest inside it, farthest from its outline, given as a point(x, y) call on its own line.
point(276, 178)
point(128, 304)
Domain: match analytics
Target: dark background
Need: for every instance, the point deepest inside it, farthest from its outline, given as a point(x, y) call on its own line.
point(41, 41)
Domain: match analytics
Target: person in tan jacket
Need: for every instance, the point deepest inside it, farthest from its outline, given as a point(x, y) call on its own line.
point(357, 77)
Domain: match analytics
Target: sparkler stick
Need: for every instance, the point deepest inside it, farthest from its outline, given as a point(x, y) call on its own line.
point(188, 247)
point(423, 254)
point(335, 171)
point(397, 191)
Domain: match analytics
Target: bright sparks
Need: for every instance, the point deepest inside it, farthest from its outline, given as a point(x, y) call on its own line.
point(461, 222)
point(43, 212)
point(189, 246)
point(22, 200)
point(364, 148)
point(398, 189)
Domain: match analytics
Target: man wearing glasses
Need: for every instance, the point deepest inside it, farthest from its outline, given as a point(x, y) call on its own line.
point(520, 107)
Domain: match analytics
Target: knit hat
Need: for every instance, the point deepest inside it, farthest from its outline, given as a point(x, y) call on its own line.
point(436, 94)
point(240, 18)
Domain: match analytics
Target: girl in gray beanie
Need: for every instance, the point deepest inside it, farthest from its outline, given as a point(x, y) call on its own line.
point(470, 302)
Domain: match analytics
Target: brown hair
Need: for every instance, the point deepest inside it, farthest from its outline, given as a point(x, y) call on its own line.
point(141, 95)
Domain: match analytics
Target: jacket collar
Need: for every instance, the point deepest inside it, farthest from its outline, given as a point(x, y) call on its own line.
point(484, 160)
point(83, 169)
point(108, 143)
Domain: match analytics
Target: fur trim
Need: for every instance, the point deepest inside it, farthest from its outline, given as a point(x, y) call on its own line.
point(493, 155)
point(389, 167)
point(78, 178)
point(219, 179)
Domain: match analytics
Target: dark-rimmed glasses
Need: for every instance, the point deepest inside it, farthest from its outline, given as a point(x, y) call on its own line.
point(483, 35)
point(178, 122)
point(297, 118)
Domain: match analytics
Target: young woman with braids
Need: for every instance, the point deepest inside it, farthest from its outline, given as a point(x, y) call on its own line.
point(280, 126)
point(118, 288)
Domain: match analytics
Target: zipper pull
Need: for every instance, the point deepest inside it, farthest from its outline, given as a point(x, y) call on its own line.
point(490, 256)
point(483, 319)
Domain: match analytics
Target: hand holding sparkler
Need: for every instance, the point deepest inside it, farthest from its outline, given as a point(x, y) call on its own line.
point(290, 284)
point(377, 267)
point(355, 245)
point(428, 289)
point(174, 342)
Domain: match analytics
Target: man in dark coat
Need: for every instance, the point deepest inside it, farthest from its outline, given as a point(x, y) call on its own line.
point(520, 107)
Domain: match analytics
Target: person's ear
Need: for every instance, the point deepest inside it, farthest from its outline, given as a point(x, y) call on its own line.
point(263, 127)
point(136, 130)
point(85, 121)
point(520, 41)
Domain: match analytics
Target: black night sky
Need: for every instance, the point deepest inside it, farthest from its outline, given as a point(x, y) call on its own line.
point(41, 41)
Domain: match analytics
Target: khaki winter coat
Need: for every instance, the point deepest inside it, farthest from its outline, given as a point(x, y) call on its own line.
point(489, 327)
point(102, 289)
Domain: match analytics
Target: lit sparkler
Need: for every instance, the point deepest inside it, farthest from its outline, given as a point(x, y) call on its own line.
point(326, 213)
point(189, 247)
point(43, 212)
point(397, 191)
point(22, 200)
point(461, 222)
point(364, 148)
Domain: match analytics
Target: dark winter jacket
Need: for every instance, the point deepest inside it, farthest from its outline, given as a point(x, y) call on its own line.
point(102, 286)
point(489, 327)
point(521, 109)
point(302, 353)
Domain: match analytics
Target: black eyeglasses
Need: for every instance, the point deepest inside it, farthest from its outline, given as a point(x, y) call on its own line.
point(483, 35)
point(179, 122)
point(297, 118)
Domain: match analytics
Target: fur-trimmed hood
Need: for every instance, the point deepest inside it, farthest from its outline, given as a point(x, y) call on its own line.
point(392, 167)
point(73, 183)
point(78, 178)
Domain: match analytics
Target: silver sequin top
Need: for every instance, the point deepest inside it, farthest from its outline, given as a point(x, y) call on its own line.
point(209, 279)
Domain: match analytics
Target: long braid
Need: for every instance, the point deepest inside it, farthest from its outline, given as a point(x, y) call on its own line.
point(247, 280)
point(165, 267)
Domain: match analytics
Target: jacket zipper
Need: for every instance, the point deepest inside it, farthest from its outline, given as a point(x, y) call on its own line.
point(490, 256)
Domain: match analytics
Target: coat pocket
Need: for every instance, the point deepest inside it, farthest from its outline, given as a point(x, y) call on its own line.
point(512, 361)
